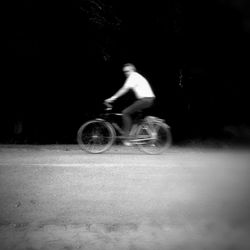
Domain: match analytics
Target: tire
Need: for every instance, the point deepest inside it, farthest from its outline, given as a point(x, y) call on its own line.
point(157, 137)
point(95, 136)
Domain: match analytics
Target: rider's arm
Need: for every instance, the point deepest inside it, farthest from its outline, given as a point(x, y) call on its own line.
point(119, 93)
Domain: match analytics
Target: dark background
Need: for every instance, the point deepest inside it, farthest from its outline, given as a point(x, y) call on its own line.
point(58, 67)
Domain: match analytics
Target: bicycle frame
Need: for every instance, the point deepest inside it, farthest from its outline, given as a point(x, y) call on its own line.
point(134, 128)
point(151, 134)
point(118, 128)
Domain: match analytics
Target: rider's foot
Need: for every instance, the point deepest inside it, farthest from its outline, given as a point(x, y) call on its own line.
point(127, 143)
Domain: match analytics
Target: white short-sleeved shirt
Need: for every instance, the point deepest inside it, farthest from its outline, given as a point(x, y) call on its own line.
point(139, 85)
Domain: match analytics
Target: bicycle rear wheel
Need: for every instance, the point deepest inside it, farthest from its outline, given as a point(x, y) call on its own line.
point(95, 136)
point(154, 137)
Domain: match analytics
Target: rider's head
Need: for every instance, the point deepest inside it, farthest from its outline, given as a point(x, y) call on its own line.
point(128, 68)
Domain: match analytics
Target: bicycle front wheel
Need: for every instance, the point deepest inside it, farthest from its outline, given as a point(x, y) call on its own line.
point(95, 136)
point(154, 138)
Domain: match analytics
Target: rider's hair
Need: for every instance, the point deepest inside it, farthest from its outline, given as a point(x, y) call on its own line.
point(130, 65)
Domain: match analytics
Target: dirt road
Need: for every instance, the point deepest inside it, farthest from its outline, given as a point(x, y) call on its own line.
point(58, 197)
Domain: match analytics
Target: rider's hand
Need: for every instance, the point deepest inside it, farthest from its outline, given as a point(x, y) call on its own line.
point(109, 100)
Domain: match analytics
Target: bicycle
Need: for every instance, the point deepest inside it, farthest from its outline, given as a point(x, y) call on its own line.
point(150, 134)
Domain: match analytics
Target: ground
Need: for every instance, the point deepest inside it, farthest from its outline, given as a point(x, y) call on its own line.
point(189, 197)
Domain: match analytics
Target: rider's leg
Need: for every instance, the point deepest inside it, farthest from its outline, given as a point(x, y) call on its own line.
point(135, 107)
point(127, 122)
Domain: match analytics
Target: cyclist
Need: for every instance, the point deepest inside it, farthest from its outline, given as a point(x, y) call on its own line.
point(143, 92)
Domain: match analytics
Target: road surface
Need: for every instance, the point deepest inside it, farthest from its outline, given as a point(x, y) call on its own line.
point(59, 197)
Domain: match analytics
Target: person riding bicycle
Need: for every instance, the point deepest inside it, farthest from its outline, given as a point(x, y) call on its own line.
point(143, 92)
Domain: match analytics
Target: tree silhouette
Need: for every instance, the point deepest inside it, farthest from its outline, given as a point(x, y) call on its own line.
point(99, 25)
